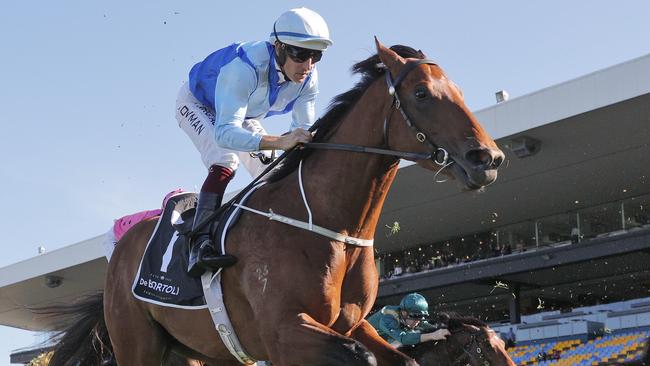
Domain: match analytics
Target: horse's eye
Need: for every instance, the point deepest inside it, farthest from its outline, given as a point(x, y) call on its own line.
point(420, 94)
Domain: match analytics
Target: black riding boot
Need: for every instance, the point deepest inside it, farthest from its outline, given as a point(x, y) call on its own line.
point(203, 254)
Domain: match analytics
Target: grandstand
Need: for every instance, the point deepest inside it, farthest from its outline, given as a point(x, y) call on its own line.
point(602, 350)
point(573, 216)
point(594, 335)
point(574, 210)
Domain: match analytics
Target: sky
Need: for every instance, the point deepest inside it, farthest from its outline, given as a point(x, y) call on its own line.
point(88, 132)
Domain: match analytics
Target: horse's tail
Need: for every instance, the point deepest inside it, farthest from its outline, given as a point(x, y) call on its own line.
point(81, 337)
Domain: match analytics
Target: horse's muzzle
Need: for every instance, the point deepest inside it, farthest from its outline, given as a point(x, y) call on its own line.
point(479, 167)
point(485, 159)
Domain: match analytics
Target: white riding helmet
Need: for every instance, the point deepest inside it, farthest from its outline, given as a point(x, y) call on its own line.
point(302, 27)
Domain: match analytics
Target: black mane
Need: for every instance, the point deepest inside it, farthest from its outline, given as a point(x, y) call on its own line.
point(449, 320)
point(455, 320)
point(369, 69)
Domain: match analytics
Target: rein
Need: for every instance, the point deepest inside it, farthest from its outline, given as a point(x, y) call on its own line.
point(218, 212)
point(413, 156)
point(366, 149)
point(309, 225)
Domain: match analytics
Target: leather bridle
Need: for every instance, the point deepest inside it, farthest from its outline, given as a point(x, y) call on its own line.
point(397, 104)
point(438, 155)
point(478, 356)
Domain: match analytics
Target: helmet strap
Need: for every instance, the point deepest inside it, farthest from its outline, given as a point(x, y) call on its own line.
point(280, 58)
point(280, 53)
point(402, 318)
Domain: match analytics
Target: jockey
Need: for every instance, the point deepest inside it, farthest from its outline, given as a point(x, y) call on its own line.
point(124, 223)
point(404, 324)
point(225, 96)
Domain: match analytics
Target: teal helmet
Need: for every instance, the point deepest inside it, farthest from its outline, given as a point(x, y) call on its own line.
point(415, 305)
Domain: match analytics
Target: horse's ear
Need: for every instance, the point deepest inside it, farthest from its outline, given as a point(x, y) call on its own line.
point(388, 57)
point(443, 319)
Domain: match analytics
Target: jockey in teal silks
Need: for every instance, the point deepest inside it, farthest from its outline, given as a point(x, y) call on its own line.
point(404, 325)
point(226, 96)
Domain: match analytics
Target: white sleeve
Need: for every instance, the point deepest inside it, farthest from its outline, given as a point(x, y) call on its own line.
point(109, 243)
point(304, 109)
point(235, 84)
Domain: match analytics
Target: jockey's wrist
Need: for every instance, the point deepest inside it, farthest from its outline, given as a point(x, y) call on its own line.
point(438, 335)
point(425, 337)
point(270, 142)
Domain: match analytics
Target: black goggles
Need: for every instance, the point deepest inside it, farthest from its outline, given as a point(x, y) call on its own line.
point(300, 55)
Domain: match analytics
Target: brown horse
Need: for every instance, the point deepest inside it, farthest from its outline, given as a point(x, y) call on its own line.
point(296, 297)
point(471, 342)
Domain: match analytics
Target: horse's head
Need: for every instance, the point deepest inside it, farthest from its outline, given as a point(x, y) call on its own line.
point(434, 120)
point(476, 346)
point(471, 343)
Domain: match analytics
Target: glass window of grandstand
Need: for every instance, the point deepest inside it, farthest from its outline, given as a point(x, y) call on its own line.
point(518, 237)
point(426, 257)
point(561, 228)
point(637, 212)
point(410, 260)
point(602, 220)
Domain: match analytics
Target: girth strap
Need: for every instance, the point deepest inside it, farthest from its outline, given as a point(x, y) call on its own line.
point(214, 298)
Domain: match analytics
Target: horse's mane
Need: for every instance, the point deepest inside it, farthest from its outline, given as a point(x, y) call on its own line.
point(369, 69)
point(455, 320)
point(450, 320)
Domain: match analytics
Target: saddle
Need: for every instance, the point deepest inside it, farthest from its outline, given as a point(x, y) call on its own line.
point(162, 277)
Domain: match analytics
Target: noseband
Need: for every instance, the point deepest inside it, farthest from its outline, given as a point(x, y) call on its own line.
point(438, 155)
point(419, 135)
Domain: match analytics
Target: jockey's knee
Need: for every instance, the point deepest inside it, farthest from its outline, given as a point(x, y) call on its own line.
point(226, 160)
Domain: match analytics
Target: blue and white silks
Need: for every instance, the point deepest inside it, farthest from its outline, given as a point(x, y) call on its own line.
point(241, 82)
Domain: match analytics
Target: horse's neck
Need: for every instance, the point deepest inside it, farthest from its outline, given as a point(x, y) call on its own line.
point(353, 186)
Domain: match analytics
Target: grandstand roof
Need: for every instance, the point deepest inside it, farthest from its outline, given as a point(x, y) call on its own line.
point(23, 285)
point(593, 130)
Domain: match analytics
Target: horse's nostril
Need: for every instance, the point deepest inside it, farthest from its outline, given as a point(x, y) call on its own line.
point(479, 157)
point(485, 158)
point(497, 162)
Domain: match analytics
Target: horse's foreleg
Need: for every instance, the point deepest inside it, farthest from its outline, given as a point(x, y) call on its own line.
point(301, 340)
point(357, 296)
point(385, 353)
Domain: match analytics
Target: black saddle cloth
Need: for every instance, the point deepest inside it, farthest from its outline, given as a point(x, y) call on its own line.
point(162, 277)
